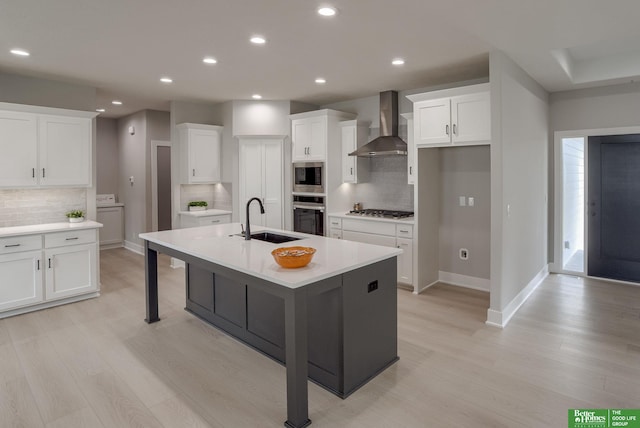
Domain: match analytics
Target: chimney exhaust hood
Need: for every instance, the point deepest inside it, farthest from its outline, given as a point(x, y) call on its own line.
point(388, 143)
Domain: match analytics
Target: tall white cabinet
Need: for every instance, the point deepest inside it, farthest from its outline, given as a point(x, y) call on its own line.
point(44, 149)
point(354, 134)
point(262, 175)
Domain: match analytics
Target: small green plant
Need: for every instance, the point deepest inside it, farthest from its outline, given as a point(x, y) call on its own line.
point(75, 214)
point(198, 204)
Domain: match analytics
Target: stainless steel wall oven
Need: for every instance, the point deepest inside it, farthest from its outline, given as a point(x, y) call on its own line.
point(308, 214)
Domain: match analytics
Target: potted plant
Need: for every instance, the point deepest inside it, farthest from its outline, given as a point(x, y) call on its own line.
point(197, 205)
point(75, 216)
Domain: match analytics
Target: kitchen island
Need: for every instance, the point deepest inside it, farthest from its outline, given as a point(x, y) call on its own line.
point(334, 320)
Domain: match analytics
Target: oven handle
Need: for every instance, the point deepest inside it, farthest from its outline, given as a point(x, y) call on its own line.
point(309, 207)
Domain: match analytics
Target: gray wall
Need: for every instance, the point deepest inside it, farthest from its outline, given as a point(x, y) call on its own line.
point(519, 153)
point(48, 93)
point(465, 171)
point(107, 168)
point(158, 127)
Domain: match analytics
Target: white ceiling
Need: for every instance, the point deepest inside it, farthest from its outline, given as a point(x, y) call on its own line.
point(123, 47)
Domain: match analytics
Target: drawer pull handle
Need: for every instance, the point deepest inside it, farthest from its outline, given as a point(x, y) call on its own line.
point(43, 173)
point(215, 221)
point(71, 239)
point(11, 245)
point(404, 231)
point(38, 265)
point(33, 173)
point(49, 263)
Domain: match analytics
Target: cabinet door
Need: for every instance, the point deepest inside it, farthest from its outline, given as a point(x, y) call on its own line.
point(70, 271)
point(300, 138)
point(251, 176)
point(335, 233)
point(112, 231)
point(405, 261)
point(272, 184)
point(471, 118)
point(349, 144)
point(432, 122)
point(411, 153)
point(19, 148)
point(20, 279)
point(65, 151)
point(318, 139)
point(204, 156)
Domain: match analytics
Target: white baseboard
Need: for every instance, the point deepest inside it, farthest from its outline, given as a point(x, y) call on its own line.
point(473, 282)
point(134, 247)
point(424, 287)
point(501, 318)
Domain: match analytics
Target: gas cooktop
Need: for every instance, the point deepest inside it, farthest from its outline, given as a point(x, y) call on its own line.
point(371, 212)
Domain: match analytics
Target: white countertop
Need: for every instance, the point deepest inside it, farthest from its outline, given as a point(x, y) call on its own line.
point(204, 213)
point(406, 220)
point(34, 229)
point(253, 257)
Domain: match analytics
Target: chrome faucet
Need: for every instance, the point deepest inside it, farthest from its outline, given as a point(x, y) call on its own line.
point(247, 230)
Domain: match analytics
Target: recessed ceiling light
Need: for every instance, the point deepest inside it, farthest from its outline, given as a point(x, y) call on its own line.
point(116, 102)
point(326, 11)
point(209, 60)
point(166, 80)
point(256, 96)
point(398, 61)
point(321, 81)
point(258, 40)
point(20, 52)
point(100, 110)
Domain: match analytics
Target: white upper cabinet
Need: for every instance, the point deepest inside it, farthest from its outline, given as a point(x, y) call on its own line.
point(45, 149)
point(65, 151)
point(19, 148)
point(313, 132)
point(199, 153)
point(460, 119)
point(309, 138)
point(411, 150)
point(354, 134)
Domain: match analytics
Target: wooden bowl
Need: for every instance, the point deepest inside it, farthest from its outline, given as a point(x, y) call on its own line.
point(293, 257)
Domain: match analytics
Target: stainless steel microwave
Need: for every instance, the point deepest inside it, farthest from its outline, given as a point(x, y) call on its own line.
point(308, 177)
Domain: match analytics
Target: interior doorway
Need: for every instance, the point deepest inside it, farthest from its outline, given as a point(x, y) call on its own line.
point(161, 185)
point(613, 207)
point(596, 186)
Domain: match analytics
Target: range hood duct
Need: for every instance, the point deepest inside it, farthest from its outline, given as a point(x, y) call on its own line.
point(388, 143)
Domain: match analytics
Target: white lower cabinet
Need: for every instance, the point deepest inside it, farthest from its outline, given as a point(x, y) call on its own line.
point(376, 232)
point(70, 271)
point(38, 269)
point(20, 279)
point(187, 220)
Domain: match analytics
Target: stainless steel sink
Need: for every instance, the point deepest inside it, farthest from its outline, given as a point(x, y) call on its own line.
point(274, 238)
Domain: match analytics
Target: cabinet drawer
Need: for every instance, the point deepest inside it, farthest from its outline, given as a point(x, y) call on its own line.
point(367, 226)
point(214, 219)
point(404, 231)
point(369, 238)
point(335, 223)
point(14, 244)
point(62, 239)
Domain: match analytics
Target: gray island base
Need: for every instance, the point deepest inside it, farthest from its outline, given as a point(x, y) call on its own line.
point(339, 331)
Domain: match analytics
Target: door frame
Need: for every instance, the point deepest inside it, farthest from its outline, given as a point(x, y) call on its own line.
point(154, 180)
point(556, 265)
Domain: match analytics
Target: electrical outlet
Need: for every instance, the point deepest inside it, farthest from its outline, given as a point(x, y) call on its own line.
point(464, 254)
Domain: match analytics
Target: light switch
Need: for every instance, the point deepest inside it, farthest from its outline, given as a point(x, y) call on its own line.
point(472, 201)
point(463, 201)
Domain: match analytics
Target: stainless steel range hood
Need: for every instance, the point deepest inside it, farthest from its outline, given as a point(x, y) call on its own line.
point(388, 143)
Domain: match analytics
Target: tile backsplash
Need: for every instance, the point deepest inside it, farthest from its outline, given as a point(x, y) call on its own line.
point(218, 196)
point(21, 207)
point(387, 187)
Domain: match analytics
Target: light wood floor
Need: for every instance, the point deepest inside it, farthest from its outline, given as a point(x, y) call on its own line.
point(574, 344)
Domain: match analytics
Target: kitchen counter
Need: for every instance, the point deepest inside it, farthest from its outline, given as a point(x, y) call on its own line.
point(406, 220)
point(34, 229)
point(221, 245)
point(333, 321)
point(204, 213)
